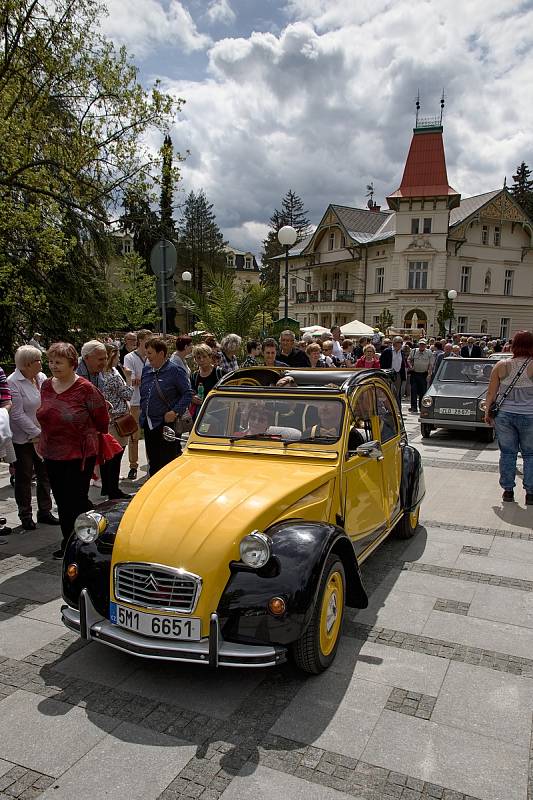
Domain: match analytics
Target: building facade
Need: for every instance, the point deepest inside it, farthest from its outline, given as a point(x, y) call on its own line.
point(360, 262)
point(245, 266)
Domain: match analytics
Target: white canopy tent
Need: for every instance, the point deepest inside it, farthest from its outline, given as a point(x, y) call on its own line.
point(315, 330)
point(356, 328)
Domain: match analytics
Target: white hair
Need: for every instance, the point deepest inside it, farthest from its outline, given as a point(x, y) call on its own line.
point(26, 354)
point(91, 347)
point(231, 342)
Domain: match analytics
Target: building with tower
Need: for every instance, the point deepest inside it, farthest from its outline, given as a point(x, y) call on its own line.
point(360, 262)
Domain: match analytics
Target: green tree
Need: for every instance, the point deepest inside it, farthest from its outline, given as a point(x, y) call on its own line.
point(201, 243)
point(72, 121)
point(292, 213)
point(385, 320)
point(141, 221)
point(522, 188)
point(445, 314)
point(133, 295)
point(225, 308)
point(167, 225)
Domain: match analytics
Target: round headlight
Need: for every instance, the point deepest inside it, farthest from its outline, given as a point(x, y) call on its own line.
point(255, 549)
point(89, 526)
point(427, 401)
point(482, 405)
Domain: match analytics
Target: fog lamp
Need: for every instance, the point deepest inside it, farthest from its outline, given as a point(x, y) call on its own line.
point(255, 549)
point(72, 572)
point(276, 606)
point(89, 526)
point(427, 401)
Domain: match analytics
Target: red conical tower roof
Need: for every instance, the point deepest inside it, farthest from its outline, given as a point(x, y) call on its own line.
point(425, 173)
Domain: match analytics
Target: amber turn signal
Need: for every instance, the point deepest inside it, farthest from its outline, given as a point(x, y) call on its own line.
point(276, 606)
point(72, 571)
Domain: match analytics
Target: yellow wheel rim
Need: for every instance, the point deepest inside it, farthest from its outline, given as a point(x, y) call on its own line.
point(413, 518)
point(331, 613)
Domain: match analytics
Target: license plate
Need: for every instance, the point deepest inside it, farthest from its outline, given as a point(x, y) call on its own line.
point(456, 412)
point(158, 625)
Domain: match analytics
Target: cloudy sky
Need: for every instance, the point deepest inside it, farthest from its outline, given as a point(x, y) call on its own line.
point(318, 95)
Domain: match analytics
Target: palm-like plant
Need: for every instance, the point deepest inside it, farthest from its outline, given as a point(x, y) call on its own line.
point(225, 308)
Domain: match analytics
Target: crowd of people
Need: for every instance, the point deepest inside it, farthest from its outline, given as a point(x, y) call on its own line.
point(74, 427)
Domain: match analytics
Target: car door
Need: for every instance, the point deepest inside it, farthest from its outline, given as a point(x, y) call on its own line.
point(389, 437)
point(365, 513)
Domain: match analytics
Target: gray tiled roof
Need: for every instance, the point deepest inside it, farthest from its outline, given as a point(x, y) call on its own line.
point(469, 205)
point(361, 223)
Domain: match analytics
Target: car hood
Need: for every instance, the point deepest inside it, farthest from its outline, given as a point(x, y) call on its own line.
point(194, 513)
point(466, 390)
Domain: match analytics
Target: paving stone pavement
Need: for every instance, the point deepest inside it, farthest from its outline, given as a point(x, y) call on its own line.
point(104, 710)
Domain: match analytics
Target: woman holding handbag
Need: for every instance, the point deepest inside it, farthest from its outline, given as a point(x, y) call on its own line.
point(165, 398)
point(510, 409)
point(122, 424)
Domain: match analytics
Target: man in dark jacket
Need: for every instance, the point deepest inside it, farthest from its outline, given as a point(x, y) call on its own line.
point(289, 354)
point(393, 358)
point(471, 350)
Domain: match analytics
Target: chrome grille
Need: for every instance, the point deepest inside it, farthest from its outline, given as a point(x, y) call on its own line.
point(155, 586)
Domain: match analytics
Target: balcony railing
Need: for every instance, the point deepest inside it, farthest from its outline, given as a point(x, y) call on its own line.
point(325, 296)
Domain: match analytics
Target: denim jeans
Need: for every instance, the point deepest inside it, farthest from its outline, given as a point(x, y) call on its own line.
point(515, 433)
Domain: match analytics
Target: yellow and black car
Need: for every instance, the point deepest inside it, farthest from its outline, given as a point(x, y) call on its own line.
point(247, 547)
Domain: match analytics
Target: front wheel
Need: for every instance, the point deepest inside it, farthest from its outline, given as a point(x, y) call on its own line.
point(315, 650)
point(425, 430)
point(408, 524)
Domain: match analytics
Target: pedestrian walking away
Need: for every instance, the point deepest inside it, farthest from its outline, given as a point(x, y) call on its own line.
point(511, 388)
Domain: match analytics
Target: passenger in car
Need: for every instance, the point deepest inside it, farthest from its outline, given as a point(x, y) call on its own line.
point(329, 415)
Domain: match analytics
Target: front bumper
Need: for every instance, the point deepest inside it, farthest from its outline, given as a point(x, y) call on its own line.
point(212, 651)
point(439, 422)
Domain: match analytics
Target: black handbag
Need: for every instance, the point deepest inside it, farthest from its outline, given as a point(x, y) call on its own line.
point(494, 408)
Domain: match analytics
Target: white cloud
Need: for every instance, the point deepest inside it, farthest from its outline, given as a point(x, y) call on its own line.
point(328, 104)
point(220, 11)
point(147, 24)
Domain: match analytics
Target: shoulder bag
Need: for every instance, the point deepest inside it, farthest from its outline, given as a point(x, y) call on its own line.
point(179, 425)
point(126, 425)
point(496, 406)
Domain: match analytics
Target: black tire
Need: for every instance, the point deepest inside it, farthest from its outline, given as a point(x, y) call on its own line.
point(425, 430)
point(406, 527)
point(486, 434)
point(307, 651)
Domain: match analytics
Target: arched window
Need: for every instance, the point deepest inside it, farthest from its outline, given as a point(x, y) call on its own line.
point(484, 326)
point(488, 280)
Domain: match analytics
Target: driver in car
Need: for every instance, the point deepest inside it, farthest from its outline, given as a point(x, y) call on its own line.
point(329, 417)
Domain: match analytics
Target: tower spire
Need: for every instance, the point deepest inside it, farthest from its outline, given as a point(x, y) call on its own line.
point(441, 105)
point(417, 107)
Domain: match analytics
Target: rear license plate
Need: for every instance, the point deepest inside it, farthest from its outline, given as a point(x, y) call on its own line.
point(158, 625)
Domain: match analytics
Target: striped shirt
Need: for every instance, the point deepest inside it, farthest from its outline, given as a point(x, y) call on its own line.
point(5, 392)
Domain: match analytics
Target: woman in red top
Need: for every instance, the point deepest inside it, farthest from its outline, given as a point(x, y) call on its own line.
point(72, 415)
point(368, 360)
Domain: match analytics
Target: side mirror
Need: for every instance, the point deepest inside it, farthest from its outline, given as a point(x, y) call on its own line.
point(169, 435)
point(370, 450)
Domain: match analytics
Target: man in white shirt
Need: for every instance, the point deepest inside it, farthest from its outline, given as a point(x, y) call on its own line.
point(337, 344)
point(135, 361)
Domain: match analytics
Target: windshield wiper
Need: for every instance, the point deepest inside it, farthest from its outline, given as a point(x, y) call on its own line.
point(312, 439)
point(273, 437)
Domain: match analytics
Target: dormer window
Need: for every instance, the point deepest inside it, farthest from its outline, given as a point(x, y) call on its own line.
point(331, 241)
point(230, 260)
point(484, 234)
point(248, 262)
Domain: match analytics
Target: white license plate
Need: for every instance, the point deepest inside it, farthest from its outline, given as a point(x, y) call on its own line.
point(457, 412)
point(158, 625)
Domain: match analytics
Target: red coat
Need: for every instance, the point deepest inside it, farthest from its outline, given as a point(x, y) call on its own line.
point(362, 362)
point(71, 422)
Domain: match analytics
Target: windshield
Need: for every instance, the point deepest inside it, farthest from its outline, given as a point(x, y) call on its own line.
point(465, 370)
point(283, 418)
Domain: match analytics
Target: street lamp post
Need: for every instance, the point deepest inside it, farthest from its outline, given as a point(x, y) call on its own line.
point(287, 237)
point(452, 295)
point(186, 277)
